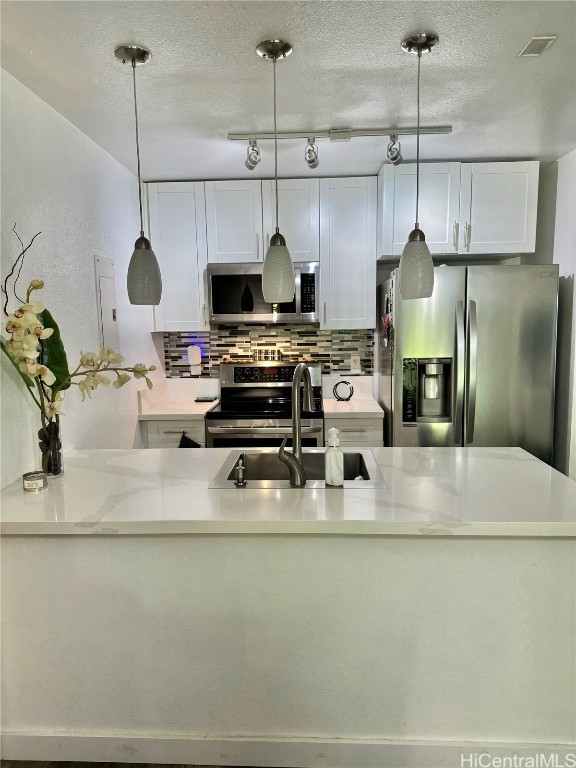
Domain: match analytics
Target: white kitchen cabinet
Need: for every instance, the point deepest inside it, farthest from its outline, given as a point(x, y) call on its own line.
point(299, 216)
point(464, 208)
point(234, 221)
point(177, 226)
point(498, 205)
point(438, 207)
point(359, 432)
point(348, 252)
point(167, 433)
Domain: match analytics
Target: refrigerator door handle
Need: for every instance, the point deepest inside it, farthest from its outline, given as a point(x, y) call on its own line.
point(472, 338)
point(460, 369)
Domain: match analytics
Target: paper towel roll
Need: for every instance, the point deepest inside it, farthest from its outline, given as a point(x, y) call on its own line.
point(195, 360)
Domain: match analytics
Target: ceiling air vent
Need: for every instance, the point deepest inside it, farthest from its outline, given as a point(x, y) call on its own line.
point(537, 46)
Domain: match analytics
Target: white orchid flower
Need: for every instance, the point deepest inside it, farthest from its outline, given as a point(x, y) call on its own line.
point(89, 360)
point(46, 375)
point(29, 366)
point(14, 324)
point(139, 370)
point(122, 379)
point(85, 387)
point(109, 355)
point(42, 333)
point(33, 307)
point(54, 408)
point(35, 285)
point(99, 378)
point(29, 342)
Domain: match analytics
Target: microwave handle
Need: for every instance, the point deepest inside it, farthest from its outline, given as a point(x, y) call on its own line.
point(298, 290)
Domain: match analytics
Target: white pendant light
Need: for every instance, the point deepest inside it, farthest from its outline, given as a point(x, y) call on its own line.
point(278, 285)
point(144, 281)
point(416, 265)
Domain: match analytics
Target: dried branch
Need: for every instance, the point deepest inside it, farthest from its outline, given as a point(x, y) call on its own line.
point(18, 263)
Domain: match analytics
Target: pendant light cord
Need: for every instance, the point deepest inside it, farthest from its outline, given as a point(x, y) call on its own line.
point(418, 137)
point(275, 142)
point(137, 147)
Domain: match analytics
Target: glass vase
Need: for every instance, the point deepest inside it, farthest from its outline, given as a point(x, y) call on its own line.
point(51, 447)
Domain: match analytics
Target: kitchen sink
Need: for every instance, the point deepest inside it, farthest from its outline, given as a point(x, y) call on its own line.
point(265, 470)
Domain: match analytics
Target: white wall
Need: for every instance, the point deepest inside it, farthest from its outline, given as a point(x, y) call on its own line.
point(154, 648)
point(57, 180)
point(565, 257)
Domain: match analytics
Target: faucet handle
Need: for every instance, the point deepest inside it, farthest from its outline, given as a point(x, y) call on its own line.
point(283, 454)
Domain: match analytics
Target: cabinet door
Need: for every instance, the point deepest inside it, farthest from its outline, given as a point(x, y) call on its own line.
point(498, 203)
point(357, 431)
point(178, 236)
point(234, 221)
point(298, 215)
point(348, 252)
point(438, 206)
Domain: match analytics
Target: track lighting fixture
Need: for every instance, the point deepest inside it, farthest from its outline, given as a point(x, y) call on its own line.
point(393, 153)
point(144, 281)
point(311, 153)
point(278, 284)
point(252, 155)
point(416, 265)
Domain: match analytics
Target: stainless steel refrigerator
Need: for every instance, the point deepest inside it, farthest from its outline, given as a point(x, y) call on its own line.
point(474, 364)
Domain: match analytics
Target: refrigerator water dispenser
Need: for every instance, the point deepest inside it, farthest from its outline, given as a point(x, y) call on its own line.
point(427, 390)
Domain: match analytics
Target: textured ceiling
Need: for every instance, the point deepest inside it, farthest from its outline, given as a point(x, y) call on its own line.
point(347, 70)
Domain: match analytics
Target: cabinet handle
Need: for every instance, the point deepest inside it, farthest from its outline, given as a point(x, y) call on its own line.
point(353, 429)
point(455, 235)
point(466, 235)
point(267, 240)
point(174, 431)
point(204, 318)
point(257, 247)
point(324, 313)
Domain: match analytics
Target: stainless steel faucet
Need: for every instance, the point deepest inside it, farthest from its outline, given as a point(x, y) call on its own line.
point(294, 459)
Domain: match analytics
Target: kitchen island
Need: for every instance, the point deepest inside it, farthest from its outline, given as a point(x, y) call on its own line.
point(148, 618)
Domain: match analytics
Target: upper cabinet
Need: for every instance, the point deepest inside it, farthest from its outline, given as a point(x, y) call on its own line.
point(439, 204)
point(299, 216)
point(348, 252)
point(498, 205)
point(464, 208)
point(234, 221)
point(177, 227)
point(241, 218)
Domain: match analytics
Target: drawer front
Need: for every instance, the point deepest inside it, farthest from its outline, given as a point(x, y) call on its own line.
point(167, 434)
point(367, 431)
point(359, 444)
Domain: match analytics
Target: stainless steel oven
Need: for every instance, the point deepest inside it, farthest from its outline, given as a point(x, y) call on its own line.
point(235, 295)
point(256, 404)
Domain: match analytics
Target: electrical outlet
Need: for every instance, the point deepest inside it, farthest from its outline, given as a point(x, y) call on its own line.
point(354, 362)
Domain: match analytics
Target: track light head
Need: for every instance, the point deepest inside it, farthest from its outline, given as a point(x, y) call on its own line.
point(311, 154)
point(393, 153)
point(252, 155)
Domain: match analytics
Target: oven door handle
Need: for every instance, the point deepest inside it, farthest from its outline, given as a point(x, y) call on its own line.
point(261, 430)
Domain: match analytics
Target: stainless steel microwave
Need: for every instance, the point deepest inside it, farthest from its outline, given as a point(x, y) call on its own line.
point(232, 287)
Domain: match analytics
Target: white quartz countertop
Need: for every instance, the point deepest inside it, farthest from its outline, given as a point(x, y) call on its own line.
point(356, 407)
point(430, 492)
point(177, 408)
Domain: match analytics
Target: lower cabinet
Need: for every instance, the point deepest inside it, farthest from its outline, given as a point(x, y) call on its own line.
point(357, 432)
point(167, 434)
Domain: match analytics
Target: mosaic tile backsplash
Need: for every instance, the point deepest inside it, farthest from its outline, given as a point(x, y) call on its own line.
point(238, 342)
